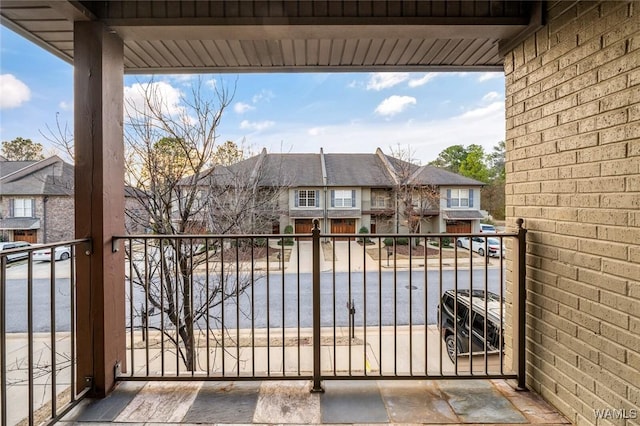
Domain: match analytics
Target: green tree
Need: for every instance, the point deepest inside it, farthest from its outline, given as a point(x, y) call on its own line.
point(473, 162)
point(228, 153)
point(451, 158)
point(473, 165)
point(21, 149)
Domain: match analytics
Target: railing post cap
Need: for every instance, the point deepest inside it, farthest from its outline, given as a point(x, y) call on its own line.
point(316, 223)
point(520, 222)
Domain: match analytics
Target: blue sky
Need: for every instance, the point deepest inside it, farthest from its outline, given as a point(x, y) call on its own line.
point(341, 112)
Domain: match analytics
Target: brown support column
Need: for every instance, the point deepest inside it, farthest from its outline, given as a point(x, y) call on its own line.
point(99, 202)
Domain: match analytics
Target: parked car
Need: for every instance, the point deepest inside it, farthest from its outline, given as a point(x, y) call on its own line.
point(44, 255)
point(454, 322)
point(493, 245)
point(15, 245)
point(487, 228)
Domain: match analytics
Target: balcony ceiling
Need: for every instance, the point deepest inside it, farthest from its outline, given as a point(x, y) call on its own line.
point(268, 36)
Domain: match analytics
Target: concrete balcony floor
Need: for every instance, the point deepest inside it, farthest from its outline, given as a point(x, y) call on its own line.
point(290, 402)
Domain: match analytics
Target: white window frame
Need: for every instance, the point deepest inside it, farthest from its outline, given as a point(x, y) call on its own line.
point(340, 198)
point(458, 198)
point(23, 207)
point(306, 198)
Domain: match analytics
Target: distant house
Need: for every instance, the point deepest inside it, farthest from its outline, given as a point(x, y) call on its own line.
point(348, 191)
point(36, 198)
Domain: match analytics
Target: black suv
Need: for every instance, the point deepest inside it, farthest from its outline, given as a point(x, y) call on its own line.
point(476, 317)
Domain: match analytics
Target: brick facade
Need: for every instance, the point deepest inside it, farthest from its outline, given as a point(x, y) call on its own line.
point(59, 221)
point(573, 174)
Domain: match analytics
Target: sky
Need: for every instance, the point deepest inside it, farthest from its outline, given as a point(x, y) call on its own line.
point(423, 113)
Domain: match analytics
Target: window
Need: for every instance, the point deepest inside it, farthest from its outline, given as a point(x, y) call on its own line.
point(343, 198)
point(23, 207)
point(459, 197)
point(307, 198)
point(381, 201)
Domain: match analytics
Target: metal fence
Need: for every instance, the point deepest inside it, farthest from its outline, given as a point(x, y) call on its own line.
point(321, 307)
point(38, 380)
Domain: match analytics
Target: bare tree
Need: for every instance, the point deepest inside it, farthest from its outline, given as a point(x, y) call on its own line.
point(171, 160)
point(416, 199)
point(164, 143)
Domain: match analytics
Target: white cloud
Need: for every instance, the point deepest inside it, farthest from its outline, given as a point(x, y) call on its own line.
point(163, 96)
point(384, 80)
point(241, 107)
point(417, 82)
point(212, 83)
point(485, 76)
point(14, 92)
point(485, 127)
point(316, 131)
point(394, 105)
point(491, 96)
point(264, 95)
point(484, 111)
point(256, 125)
point(66, 106)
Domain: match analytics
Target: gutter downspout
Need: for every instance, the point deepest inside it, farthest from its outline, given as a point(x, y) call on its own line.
point(394, 176)
point(44, 221)
point(325, 213)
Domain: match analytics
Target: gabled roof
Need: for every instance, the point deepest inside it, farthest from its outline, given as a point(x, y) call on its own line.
point(50, 176)
point(351, 170)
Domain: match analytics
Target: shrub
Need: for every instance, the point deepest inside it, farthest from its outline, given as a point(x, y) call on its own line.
point(400, 241)
point(287, 241)
point(446, 242)
point(364, 230)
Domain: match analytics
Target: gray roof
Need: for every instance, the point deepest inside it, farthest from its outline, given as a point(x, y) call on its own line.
point(50, 176)
point(292, 169)
point(356, 170)
point(352, 170)
point(20, 223)
point(461, 214)
point(431, 175)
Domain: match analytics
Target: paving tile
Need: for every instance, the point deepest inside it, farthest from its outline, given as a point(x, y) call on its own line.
point(106, 409)
point(478, 401)
point(161, 402)
point(287, 402)
point(352, 402)
point(416, 402)
point(224, 402)
point(535, 409)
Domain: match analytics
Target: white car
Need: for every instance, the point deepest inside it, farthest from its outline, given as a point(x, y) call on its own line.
point(15, 245)
point(44, 255)
point(489, 229)
point(478, 245)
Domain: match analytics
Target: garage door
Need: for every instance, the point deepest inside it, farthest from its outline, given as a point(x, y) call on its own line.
point(343, 226)
point(458, 227)
point(304, 226)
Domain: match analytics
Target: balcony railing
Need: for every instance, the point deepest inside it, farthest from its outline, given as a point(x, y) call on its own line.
point(319, 307)
point(291, 306)
point(38, 378)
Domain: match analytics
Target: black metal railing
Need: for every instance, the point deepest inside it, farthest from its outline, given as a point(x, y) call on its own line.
point(38, 381)
point(300, 306)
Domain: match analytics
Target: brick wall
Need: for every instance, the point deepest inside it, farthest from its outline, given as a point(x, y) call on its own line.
point(573, 174)
point(59, 220)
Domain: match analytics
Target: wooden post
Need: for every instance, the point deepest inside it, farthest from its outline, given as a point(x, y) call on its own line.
point(99, 203)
